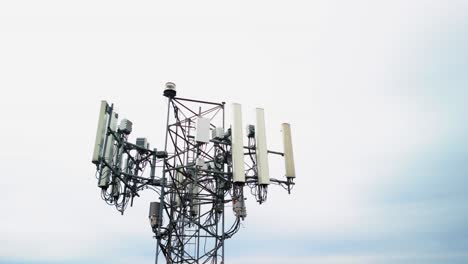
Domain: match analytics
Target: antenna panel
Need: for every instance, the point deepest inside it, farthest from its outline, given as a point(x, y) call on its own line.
point(203, 130)
point(194, 190)
point(237, 144)
point(261, 150)
point(288, 151)
point(217, 133)
point(154, 214)
point(108, 154)
point(100, 133)
point(179, 183)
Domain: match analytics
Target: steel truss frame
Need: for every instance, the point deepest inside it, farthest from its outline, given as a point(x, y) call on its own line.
point(195, 185)
point(194, 202)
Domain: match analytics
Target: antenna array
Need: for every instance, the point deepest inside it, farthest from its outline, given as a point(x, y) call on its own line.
point(203, 168)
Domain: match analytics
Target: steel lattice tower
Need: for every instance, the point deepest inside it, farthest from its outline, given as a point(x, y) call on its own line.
point(197, 181)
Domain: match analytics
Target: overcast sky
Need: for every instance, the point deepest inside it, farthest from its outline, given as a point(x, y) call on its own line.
point(376, 93)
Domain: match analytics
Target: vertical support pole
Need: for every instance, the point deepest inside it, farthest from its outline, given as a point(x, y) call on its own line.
point(163, 191)
point(172, 195)
point(223, 114)
point(195, 195)
point(222, 241)
point(222, 238)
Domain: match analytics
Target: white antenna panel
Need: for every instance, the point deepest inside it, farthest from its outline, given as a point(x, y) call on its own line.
point(261, 151)
point(109, 153)
point(201, 165)
point(288, 151)
point(179, 182)
point(180, 178)
point(203, 130)
point(194, 191)
point(100, 133)
point(237, 144)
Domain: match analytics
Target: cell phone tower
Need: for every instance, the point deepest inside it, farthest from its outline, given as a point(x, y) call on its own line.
point(205, 167)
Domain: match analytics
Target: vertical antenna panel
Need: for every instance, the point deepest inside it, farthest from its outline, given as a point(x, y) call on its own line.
point(261, 150)
point(154, 217)
point(195, 201)
point(179, 184)
point(123, 165)
point(237, 144)
point(288, 151)
point(101, 130)
point(203, 130)
point(194, 190)
point(108, 153)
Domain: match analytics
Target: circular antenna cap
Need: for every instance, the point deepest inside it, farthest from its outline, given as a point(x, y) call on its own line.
point(170, 90)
